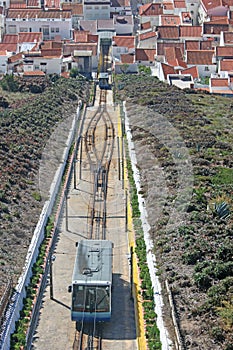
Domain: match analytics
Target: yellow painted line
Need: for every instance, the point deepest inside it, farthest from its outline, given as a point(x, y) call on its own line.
point(140, 328)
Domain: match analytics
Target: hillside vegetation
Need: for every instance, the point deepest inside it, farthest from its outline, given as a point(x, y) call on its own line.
point(183, 142)
point(30, 112)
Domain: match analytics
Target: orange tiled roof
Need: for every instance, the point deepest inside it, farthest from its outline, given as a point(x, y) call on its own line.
point(151, 9)
point(52, 4)
point(170, 20)
point(224, 51)
point(3, 52)
point(226, 65)
point(173, 56)
point(206, 45)
point(18, 6)
point(16, 57)
point(31, 13)
point(69, 48)
point(145, 54)
point(228, 37)
point(200, 57)
point(120, 3)
point(192, 44)
point(51, 52)
point(124, 41)
point(81, 36)
point(146, 25)
point(76, 9)
point(161, 47)
point(9, 47)
point(33, 3)
point(30, 37)
point(168, 32)
point(127, 58)
point(34, 73)
point(147, 35)
point(10, 38)
point(209, 5)
point(167, 69)
point(191, 31)
point(221, 82)
point(179, 4)
point(193, 71)
point(168, 5)
point(212, 28)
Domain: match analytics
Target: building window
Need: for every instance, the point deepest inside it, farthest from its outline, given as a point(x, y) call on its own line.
point(23, 30)
point(206, 68)
point(57, 30)
point(12, 29)
point(96, 7)
point(104, 7)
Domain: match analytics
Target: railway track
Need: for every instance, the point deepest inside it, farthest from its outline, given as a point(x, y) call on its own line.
point(88, 337)
point(99, 145)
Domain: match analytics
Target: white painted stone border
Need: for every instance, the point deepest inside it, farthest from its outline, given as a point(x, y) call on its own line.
point(151, 260)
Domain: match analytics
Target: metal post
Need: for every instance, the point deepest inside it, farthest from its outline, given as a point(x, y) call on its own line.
point(119, 158)
point(51, 275)
point(80, 158)
point(131, 272)
point(74, 165)
point(126, 211)
point(66, 204)
point(122, 154)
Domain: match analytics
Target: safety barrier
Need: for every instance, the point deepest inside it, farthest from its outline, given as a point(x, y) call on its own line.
point(16, 302)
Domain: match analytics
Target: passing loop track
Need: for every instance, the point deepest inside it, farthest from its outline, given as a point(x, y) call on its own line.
point(99, 145)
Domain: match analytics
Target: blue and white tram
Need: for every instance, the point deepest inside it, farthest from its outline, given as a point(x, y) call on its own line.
point(92, 281)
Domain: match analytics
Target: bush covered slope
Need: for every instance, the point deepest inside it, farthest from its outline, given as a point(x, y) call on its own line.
point(27, 121)
point(183, 142)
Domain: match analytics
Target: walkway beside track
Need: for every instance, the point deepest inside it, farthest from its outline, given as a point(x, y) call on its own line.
point(55, 329)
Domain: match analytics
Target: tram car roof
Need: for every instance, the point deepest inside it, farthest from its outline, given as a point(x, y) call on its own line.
point(93, 264)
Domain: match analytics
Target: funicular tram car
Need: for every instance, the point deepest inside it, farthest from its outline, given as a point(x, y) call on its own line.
point(92, 281)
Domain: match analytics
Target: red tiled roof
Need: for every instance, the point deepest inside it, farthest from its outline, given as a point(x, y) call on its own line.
point(33, 3)
point(69, 48)
point(81, 36)
point(65, 74)
point(168, 32)
point(52, 4)
point(30, 37)
point(34, 73)
point(174, 57)
point(193, 71)
point(151, 9)
point(124, 41)
point(145, 54)
point(200, 57)
point(212, 28)
point(209, 5)
point(167, 69)
point(51, 52)
point(192, 44)
point(29, 13)
point(224, 51)
point(9, 47)
point(10, 38)
point(170, 20)
point(179, 4)
point(147, 35)
point(127, 58)
point(15, 58)
point(207, 45)
point(18, 6)
point(76, 9)
point(168, 5)
point(226, 65)
point(219, 82)
point(146, 25)
point(219, 20)
point(228, 37)
point(191, 31)
point(161, 47)
point(120, 3)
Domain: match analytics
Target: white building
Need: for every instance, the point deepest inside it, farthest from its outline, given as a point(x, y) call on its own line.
point(50, 23)
point(99, 9)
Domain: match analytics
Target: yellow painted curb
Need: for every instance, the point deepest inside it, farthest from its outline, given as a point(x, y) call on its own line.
point(140, 329)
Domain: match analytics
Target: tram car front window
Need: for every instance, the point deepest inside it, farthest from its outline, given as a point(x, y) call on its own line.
point(91, 298)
